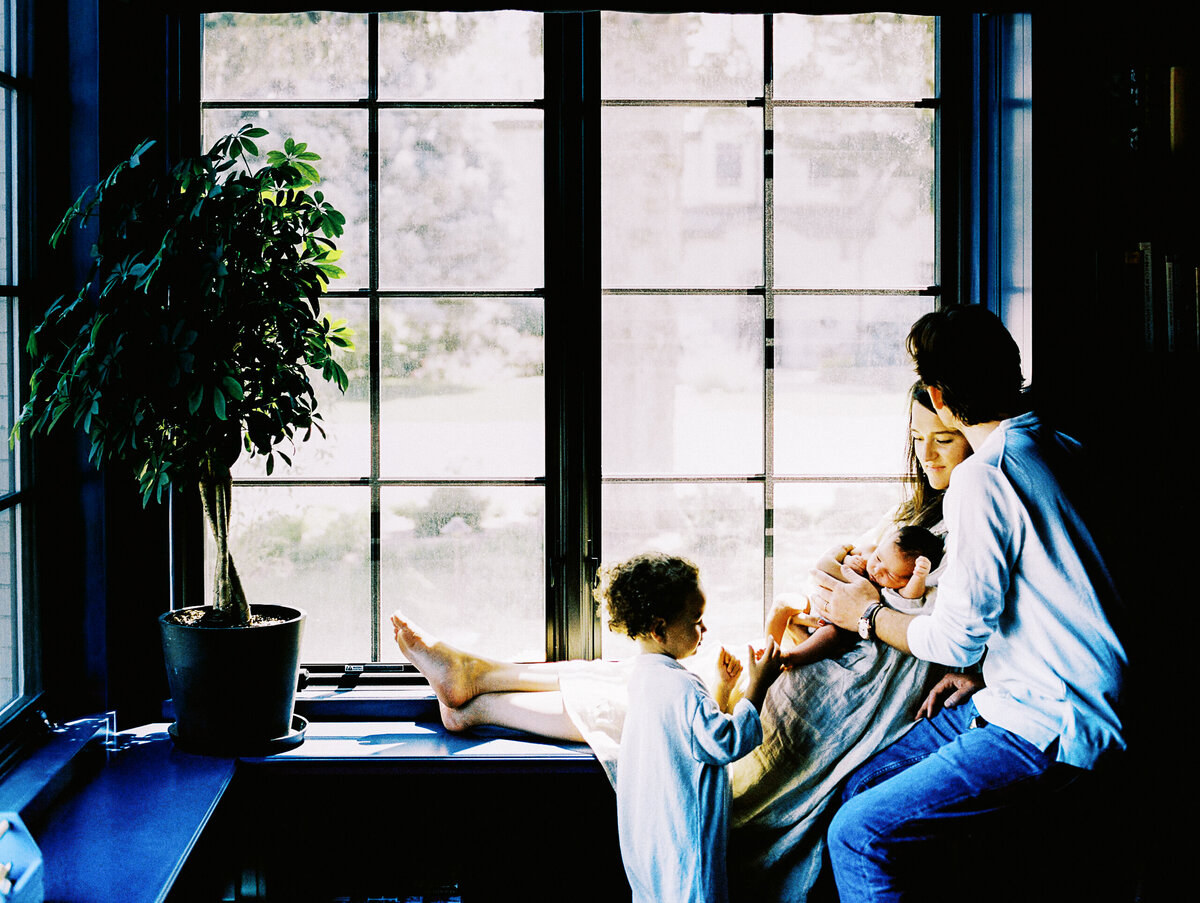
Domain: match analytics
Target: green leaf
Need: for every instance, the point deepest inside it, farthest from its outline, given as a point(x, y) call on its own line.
point(309, 173)
point(138, 152)
point(233, 388)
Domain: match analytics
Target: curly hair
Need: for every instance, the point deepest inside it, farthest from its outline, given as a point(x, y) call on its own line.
point(645, 588)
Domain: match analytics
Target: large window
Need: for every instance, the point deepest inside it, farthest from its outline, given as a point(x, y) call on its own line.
point(766, 234)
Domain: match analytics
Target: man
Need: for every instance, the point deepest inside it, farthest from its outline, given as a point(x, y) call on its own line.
point(1024, 583)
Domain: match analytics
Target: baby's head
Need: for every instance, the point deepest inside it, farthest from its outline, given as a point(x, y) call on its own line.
point(655, 595)
point(891, 564)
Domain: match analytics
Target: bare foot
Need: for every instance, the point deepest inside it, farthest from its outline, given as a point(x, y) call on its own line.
point(451, 673)
point(457, 719)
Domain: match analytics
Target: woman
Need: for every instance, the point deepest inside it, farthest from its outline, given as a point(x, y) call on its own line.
point(823, 720)
point(782, 791)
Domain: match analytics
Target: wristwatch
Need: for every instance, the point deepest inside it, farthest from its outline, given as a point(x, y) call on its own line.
point(866, 621)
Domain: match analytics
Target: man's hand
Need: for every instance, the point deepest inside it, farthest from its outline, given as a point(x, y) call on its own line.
point(952, 690)
point(842, 600)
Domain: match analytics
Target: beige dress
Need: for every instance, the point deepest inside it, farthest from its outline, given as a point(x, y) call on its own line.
point(820, 722)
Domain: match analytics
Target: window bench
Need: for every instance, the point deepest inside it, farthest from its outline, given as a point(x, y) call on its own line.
point(360, 808)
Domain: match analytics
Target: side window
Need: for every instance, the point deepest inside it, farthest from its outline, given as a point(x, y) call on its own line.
point(17, 677)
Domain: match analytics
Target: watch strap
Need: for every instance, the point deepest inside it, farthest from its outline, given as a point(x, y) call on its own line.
point(866, 622)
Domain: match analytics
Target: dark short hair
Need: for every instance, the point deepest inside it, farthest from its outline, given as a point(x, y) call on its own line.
point(968, 354)
point(645, 588)
point(914, 541)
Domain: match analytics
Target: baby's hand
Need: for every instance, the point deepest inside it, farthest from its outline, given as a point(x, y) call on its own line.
point(922, 566)
point(729, 667)
point(857, 563)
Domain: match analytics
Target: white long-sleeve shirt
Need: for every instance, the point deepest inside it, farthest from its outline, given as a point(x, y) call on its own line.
point(1024, 578)
point(672, 786)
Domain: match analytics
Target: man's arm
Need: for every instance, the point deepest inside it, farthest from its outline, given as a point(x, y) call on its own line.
point(843, 601)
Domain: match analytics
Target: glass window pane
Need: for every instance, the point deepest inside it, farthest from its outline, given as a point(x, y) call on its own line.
point(9, 399)
point(452, 56)
point(7, 180)
point(340, 138)
point(467, 563)
point(682, 384)
point(7, 30)
point(854, 198)
point(308, 547)
point(682, 197)
point(872, 56)
point(813, 517)
point(677, 57)
point(718, 526)
point(345, 449)
point(10, 608)
point(841, 381)
point(285, 56)
point(460, 199)
point(463, 391)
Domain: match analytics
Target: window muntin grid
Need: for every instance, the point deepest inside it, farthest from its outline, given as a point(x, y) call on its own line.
point(772, 302)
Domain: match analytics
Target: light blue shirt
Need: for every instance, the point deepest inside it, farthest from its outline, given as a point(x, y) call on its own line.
point(1025, 579)
point(672, 786)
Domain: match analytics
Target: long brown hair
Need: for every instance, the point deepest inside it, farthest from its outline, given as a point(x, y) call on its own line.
point(922, 505)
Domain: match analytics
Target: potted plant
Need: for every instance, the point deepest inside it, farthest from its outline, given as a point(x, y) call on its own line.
point(191, 341)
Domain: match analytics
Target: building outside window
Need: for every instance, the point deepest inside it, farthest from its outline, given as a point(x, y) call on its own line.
point(767, 235)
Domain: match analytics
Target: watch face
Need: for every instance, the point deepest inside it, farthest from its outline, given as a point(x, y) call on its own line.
point(864, 628)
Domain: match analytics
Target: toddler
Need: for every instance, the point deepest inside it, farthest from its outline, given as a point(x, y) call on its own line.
point(900, 563)
point(672, 787)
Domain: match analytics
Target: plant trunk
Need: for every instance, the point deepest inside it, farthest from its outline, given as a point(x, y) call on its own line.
point(229, 600)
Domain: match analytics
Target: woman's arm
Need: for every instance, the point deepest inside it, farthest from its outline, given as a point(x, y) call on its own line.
point(831, 560)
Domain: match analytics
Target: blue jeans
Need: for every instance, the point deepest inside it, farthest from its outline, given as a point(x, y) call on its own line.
point(906, 809)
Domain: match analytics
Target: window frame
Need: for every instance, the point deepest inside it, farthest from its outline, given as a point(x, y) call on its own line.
point(17, 718)
point(572, 110)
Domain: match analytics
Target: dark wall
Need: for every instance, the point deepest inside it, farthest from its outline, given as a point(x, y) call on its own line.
point(1106, 178)
point(102, 75)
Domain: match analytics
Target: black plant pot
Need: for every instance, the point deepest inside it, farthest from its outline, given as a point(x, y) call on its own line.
point(234, 688)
